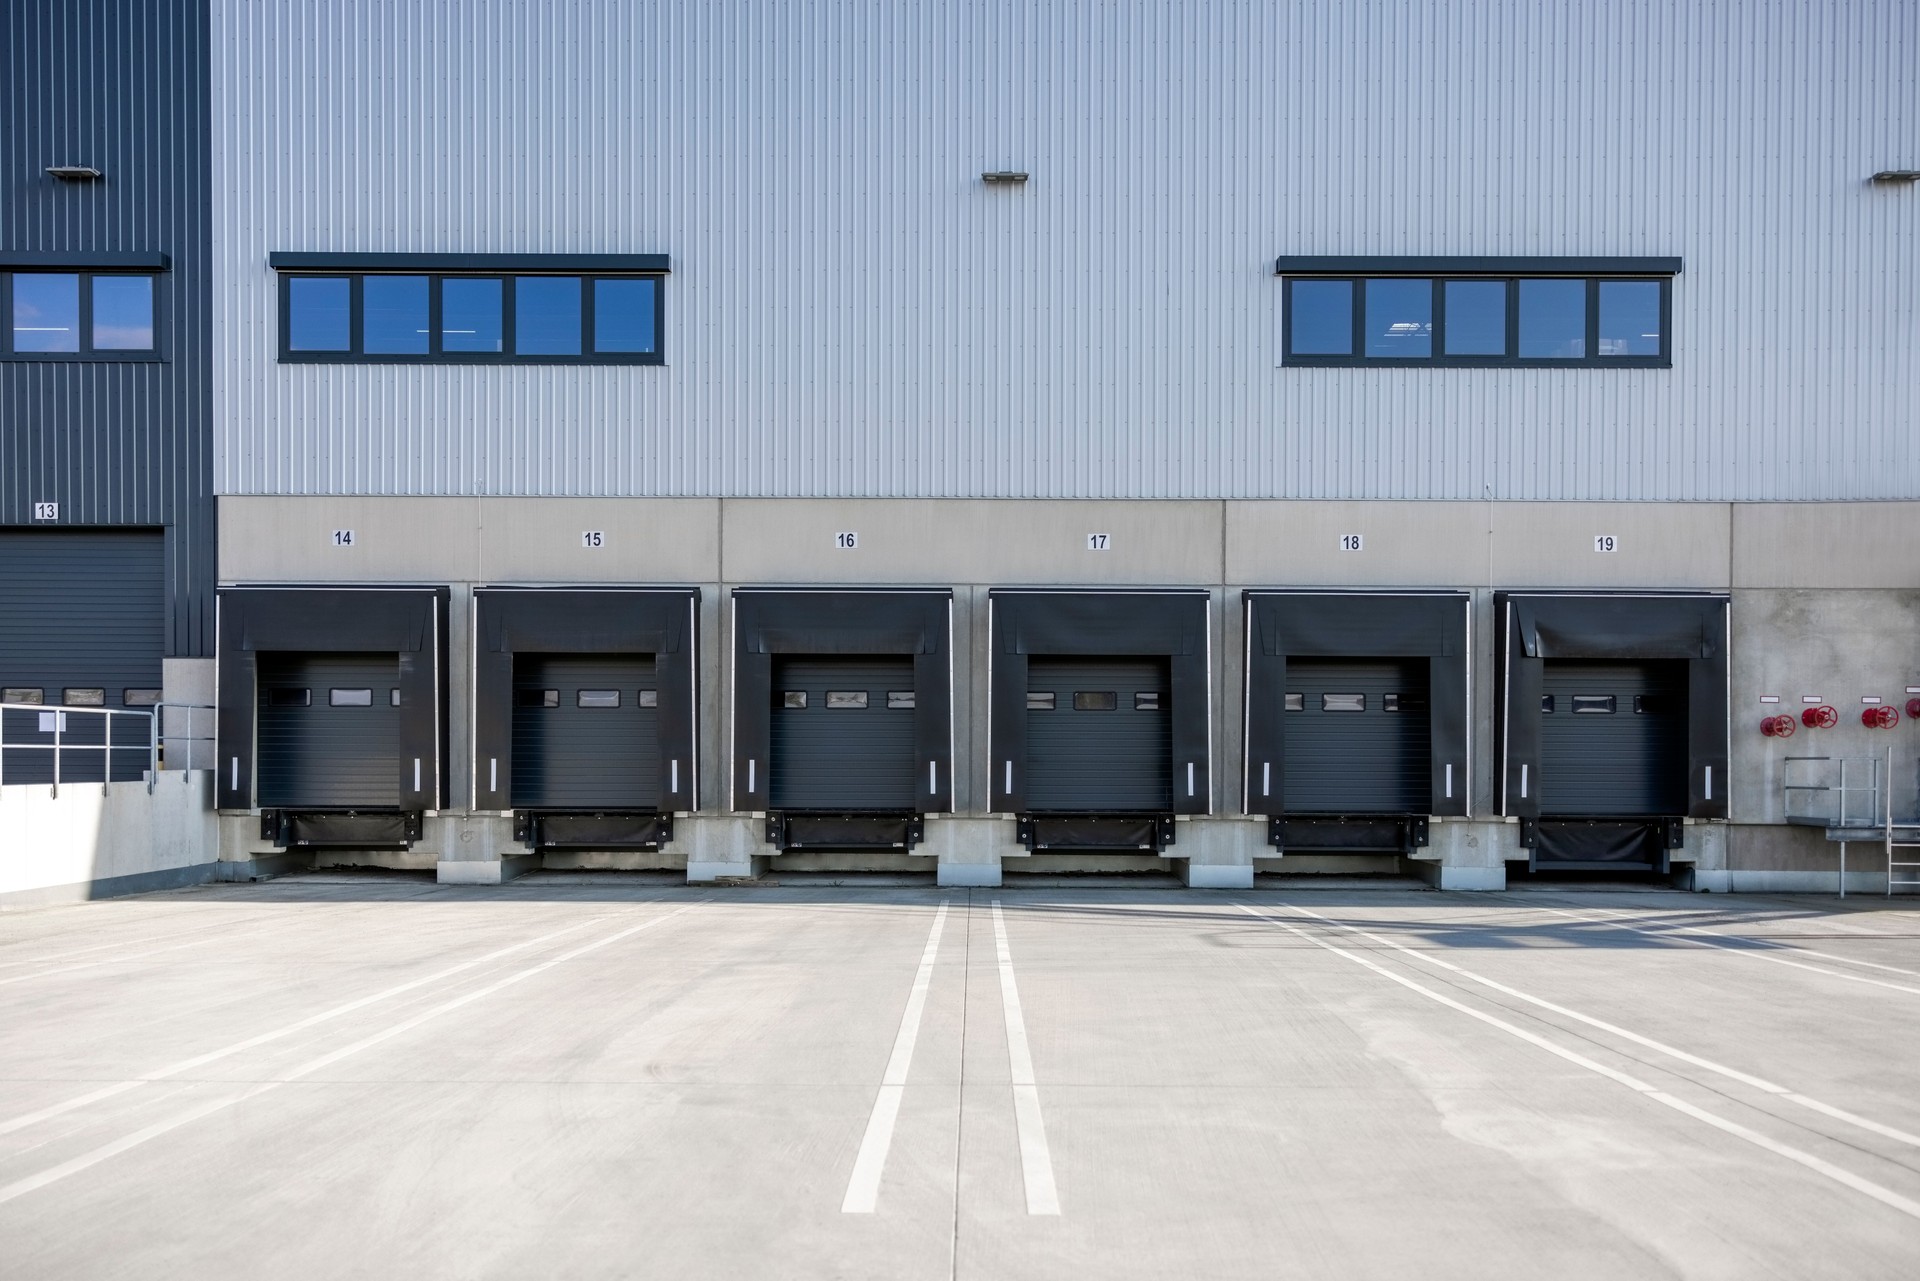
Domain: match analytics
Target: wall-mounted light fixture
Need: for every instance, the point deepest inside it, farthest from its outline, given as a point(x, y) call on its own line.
point(74, 173)
point(1891, 176)
point(998, 177)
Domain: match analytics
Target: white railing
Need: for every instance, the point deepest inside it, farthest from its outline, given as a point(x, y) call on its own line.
point(48, 733)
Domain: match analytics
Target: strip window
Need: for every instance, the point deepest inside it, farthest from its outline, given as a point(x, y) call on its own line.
point(471, 318)
point(80, 315)
point(1473, 321)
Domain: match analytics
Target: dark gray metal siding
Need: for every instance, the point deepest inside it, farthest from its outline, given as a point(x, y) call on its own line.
point(1372, 761)
point(1100, 760)
point(854, 758)
point(315, 754)
point(573, 757)
point(120, 85)
point(1621, 762)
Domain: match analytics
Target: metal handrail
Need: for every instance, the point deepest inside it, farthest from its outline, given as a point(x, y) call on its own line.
point(106, 747)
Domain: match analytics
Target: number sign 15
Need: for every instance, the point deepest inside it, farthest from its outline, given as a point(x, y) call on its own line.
point(1605, 543)
point(593, 538)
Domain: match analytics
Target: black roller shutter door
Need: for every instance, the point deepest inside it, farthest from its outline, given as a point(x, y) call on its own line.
point(833, 753)
point(1358, 737)
point(586, 732)
point(320, 746)
point(80, 610)
point(1615, 739)
point(1099, 734)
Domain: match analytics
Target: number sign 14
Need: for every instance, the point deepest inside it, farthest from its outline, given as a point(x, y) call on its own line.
point(343, 538)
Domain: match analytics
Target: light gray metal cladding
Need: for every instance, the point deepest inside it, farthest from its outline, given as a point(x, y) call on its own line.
point(119, 86)
point(854, 313)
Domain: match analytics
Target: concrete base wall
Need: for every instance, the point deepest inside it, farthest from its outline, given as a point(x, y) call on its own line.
point(94, 840)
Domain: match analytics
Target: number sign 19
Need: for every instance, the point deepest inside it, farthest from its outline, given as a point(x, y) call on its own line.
point(1605, 543)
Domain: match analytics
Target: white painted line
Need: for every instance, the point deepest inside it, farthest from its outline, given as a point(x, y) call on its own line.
point(1679, 928)
point(112, 960)
point(1846, 1178)
point(1036, 1163)
point(1709, 940)
point(863, 1189)
point(101, 947)
point(201, 1060)
point(1735, 1074)
point(87, 1160)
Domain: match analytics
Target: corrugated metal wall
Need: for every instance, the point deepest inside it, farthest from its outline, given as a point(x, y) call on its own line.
point(120, 85)
point(854, 313)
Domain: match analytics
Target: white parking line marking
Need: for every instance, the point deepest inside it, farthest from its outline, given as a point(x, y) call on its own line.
point(1036, 1163)
point(112, 960)
point(863, 1189)
point(1708, 940)
point(87, 1160)
point(1700, 930)
point(1886, 1196)
point(201, 1060)
point(1745, 1078)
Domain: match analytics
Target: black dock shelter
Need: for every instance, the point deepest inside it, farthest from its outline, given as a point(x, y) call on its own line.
point(333, 711)
point(585, 712)
point(1612, 724)
point(842, 714)
point(1101, 706)
point(1357, 716)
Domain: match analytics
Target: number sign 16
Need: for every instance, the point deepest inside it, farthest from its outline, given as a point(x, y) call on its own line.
point(846, 540)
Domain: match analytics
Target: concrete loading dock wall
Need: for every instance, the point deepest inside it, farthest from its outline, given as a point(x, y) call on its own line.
point(1820, 595)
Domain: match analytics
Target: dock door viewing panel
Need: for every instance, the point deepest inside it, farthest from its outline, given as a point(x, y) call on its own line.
point(328, 729)
point(1613, 738)
point(1358, 736)
point(842, 734)
point(586, 732)
point(1099, 734)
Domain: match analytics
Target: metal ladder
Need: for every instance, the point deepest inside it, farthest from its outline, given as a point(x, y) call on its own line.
point(1911, 831)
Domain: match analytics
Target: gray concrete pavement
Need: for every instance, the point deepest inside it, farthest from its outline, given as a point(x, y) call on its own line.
point(340, 1076)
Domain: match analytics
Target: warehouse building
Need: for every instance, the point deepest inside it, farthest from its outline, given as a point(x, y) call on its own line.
point(1083, 437)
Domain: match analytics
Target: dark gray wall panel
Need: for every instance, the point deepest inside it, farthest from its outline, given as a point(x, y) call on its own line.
point(854, 758)
point(572, 757)
point(120, 85)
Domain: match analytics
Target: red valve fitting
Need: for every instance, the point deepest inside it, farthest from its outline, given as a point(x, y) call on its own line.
point(1777, 727)
point(1913, 708)
point(1824, 716)
point(1880, 718)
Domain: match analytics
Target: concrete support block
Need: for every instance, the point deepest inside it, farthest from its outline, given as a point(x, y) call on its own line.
point(1468, 854)
point(720, 845)
point(471, 837)
point(263, 867)
point(475, 872)
point(1217, 853)
point(970, 848)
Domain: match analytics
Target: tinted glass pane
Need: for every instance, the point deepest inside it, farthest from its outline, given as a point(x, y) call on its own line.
point(319, 313)
point(1629, 318)
point(623, 315)
point(1322, 319)
point(470, 315)
point(46, 312)
point(1476, 317)
point(546, 315)
point(123, 313)
point(396, 314)
point(1399, 318)
point(1553, 319)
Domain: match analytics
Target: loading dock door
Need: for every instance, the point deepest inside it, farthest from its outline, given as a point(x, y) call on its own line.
point(586, 732)
point(842, 734)
point(1613, 738)
point(1099, 734)
point(328, 730)
point(1358, 736)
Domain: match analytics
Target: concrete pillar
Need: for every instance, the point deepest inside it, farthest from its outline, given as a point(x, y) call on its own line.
point(970, 848)
point(1468, 854)
point(477, 849)
point(720, 845)
point(1217, 853)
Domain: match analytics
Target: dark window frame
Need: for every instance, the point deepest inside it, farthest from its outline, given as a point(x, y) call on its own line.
point(1440, 272)
point(356, 354)
point(88, 353)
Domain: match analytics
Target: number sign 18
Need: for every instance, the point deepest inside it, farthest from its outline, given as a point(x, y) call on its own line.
point(1605, 543)
point(1351, 542)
